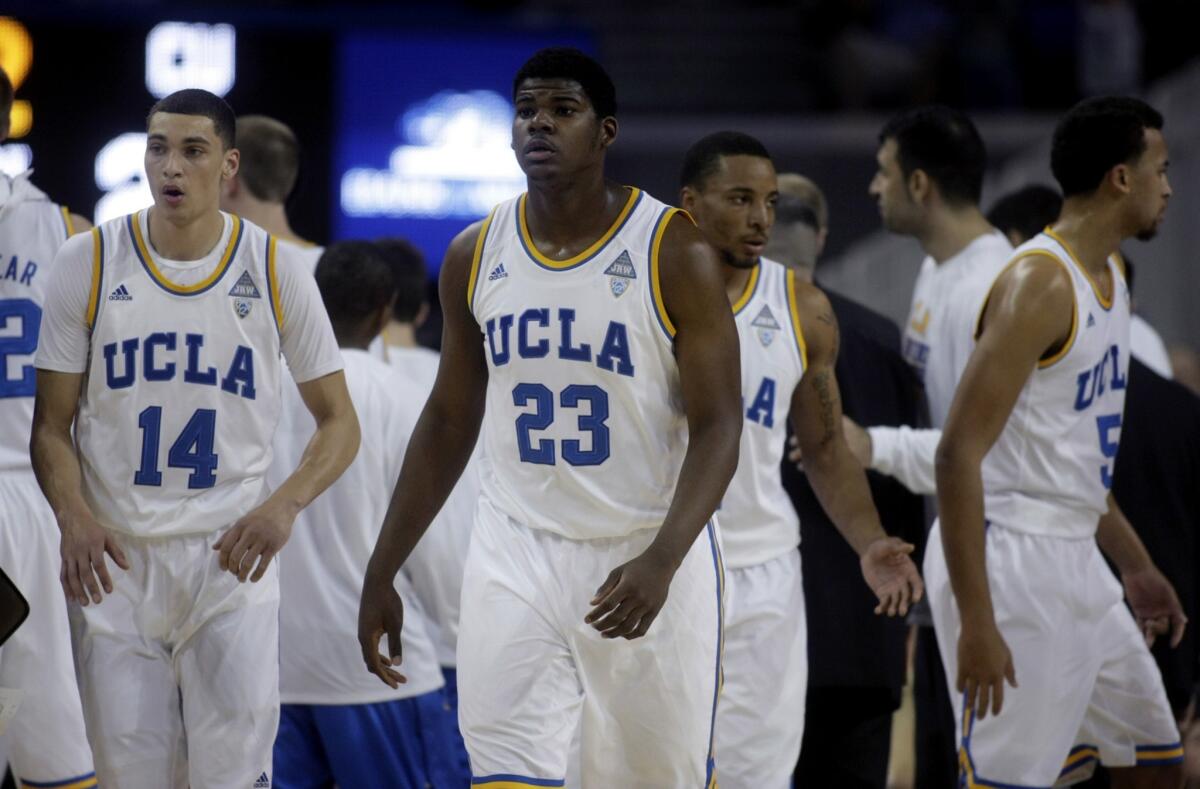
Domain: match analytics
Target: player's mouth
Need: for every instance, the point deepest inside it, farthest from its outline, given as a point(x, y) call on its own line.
point(754, 246)
point(172, 194)
point(538, 150)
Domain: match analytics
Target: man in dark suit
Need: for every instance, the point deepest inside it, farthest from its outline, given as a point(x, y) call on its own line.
point(856, 659)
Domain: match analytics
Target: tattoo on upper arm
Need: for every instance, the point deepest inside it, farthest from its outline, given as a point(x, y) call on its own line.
point(828, 319)
point(823, 385)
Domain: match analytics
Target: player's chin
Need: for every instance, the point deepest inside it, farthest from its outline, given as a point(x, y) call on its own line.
point(1147, 233)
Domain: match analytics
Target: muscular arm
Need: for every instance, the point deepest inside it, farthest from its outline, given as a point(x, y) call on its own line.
point(1028, 313)
point(706, 350)
point(836, 477)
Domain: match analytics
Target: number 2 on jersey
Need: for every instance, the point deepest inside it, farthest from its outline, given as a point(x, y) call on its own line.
point(542, 416)
point(30, 316)
point(192, 449)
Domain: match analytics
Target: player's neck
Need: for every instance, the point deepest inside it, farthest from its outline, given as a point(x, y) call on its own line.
point(564, 214)
point(1091, 233)
point(188, 241)
point(400, 335)
point(950, 230)
point(736, 279)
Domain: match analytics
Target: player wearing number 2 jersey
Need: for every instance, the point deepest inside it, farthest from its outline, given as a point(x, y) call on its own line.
point(592, 321)
point(161, 345)
point(1017, 585)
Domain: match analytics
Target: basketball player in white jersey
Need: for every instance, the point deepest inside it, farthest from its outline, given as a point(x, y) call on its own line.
point(437, 563)
point(161, 345)
point(788, 342)
point(592, 320)
point(339, 725)
point(266, 176)
point(1019, 590)
point(46, 741)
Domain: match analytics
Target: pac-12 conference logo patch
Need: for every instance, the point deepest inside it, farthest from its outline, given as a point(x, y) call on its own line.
point(766, 324)
point(620, 273)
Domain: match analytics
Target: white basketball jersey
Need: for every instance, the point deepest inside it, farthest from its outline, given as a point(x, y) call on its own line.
point(939, 335)
point(1051, 469)
point(758, 521)
point(584, 433)
point(182, 391)
point(31, 230)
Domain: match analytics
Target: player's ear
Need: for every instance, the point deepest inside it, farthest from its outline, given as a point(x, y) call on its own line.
point(687, 199)
point(608, 131)
point(919, 186)
point(229, 167)
point(1119, 177)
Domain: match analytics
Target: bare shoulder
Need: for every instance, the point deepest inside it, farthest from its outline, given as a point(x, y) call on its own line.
point(1030, 284)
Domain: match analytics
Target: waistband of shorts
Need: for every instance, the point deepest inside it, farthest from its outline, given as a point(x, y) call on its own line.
point(1041, 518)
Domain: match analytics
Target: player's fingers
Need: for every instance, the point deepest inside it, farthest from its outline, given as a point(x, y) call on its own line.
point(101, 568)
point(70, 580)
point(903, 602)
point(88, 578)
point(606, 588)
point(1010, 671)
point(254, 551)
point(918, 586)
point(620, 621)
point(643, 625)
point(237, 554)
point(264, 561)
point(609, 601)
point(225, 545)
point(997, 696)
point(983, 699)
point(114, 550)
point(1178, 626)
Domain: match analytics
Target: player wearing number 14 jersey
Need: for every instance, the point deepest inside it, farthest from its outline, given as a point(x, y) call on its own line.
point(161, 346)
point(592, 321)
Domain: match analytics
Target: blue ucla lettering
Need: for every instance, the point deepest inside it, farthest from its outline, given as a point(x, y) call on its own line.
point(583, 353)
point(129, 351)
point(615, 351)
point(17, 274)
point(762, 410)
point(241, 370)
point(527, 351)
point(191, 373)
point(499, 357)
point(149, 370)
point(157, 365)
point(1093, 382)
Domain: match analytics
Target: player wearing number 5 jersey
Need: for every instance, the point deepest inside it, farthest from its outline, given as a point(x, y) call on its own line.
point(46, 741)
point(1019, 591)
point(586, 327)
point(161, 345)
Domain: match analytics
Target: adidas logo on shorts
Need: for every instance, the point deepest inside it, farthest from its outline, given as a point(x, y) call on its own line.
point(120, 294)
point(263, 782)
point(497, 273)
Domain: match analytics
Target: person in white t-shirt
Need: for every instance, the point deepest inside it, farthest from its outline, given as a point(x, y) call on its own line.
point(266, 176)
point(158, 390)
point(338, 724)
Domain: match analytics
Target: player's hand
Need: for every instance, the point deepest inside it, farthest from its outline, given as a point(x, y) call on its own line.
point(380, 612)
point(857, 438)
point(984, 663)
point(1155, 605)
point(889, 571)
point(257, 535)
point(82, 546)
point(626, 604)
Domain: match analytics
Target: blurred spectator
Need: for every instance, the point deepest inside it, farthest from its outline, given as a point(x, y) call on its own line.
point(1185, 362)
point(1110, 48)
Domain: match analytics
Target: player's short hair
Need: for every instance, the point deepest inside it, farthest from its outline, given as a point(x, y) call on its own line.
point(1095, 136)
point(704, 157)
point(1026, 211)
point(354, 279)
point(570, 63)
point(806, 191)
point(408, 270)
point(944, 143)
point(194, 101)
point(7, 95)
point(270, 159)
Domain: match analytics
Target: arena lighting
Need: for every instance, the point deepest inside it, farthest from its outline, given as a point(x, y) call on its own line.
point(16, 58)
point(178, 55)
point(15, 159)
point(457, 163)
point(181, 55)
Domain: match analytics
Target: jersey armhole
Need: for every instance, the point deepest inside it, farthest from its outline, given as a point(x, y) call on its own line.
point(273, 284)
point(68, 223)
point(477, 260)
point(93, 305)
point(1050, 356)
point(656, 237)
point(794, 314)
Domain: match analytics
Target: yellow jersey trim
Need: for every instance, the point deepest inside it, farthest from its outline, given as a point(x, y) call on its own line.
point(477, 258)
point(273, 282)
point(1160, 753)
point(794, 311)
point(1105, 303)
point(748, 291)
point(235, 237)
point(596, 246)
point(83, 783)
point(660, 307)
point(97, 270)
point(1046, 361)
point(70, 223)
point(506, 783)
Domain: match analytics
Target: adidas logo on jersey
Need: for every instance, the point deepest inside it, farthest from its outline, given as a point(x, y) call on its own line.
point(766, 324)
point(120, 294)
point(497, 273)
point(245, 287)
point(263, 782)
point(620, 272)
point(1091, 320)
